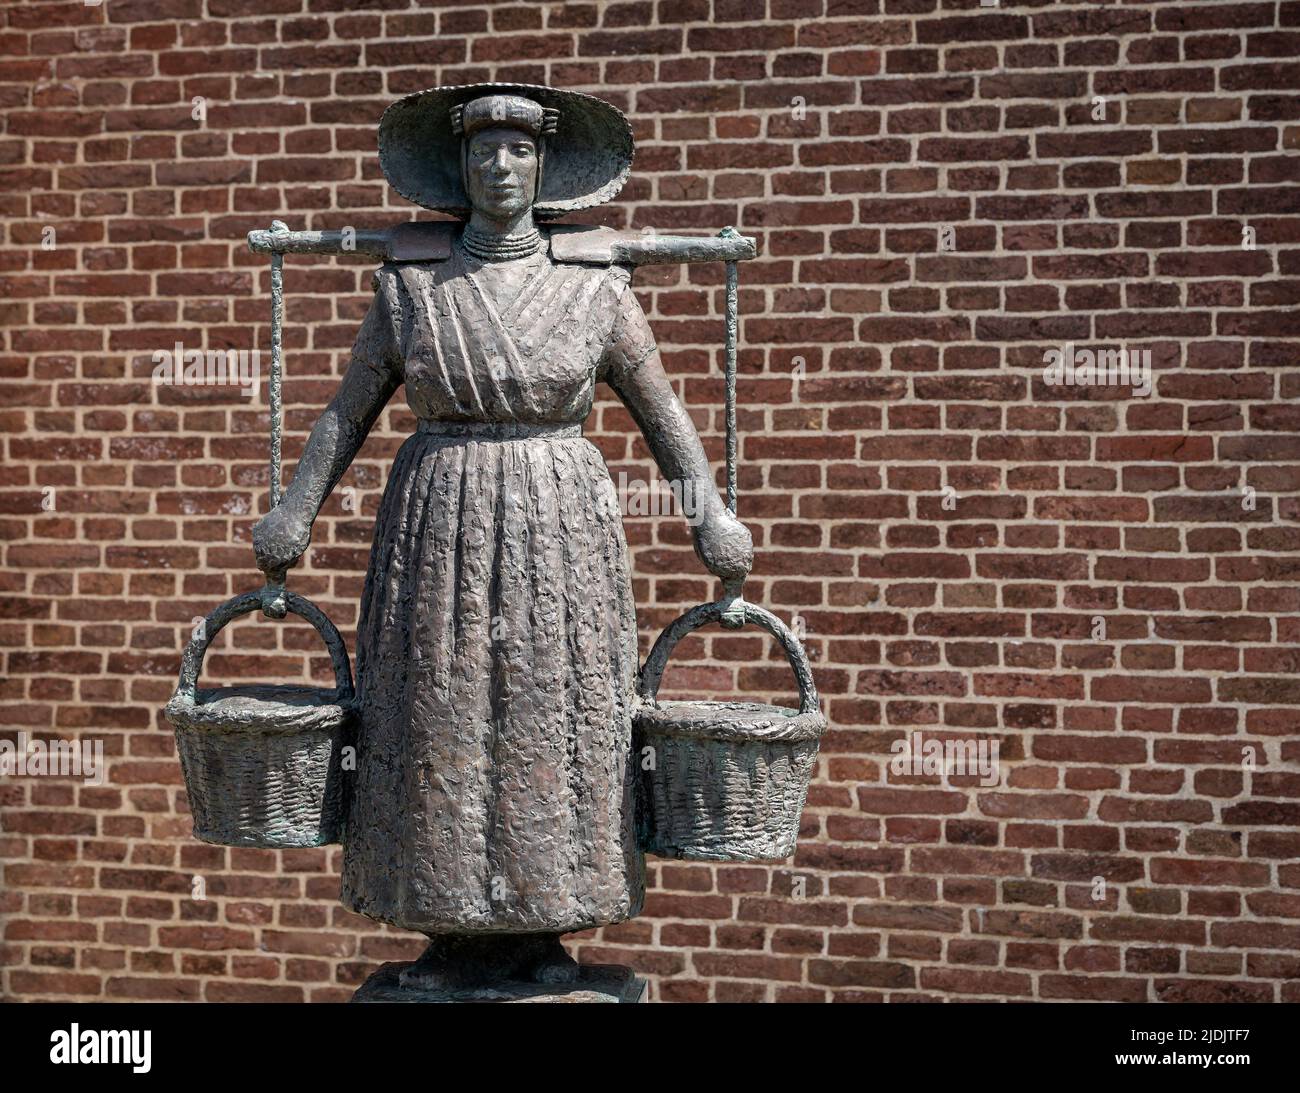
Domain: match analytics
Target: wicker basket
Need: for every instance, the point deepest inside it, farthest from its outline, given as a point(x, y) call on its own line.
point(727, 780)
point(263, 763)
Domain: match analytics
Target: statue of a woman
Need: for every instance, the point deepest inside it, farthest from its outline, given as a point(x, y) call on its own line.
point(493, 804)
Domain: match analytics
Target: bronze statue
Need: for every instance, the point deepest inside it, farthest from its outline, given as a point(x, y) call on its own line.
point(512, 764)
point(496, 650)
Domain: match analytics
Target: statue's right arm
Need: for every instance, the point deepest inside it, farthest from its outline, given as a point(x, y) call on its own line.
point(282, 535)
point(336, 438)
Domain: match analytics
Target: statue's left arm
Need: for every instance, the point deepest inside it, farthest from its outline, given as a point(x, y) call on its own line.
point(633, 369)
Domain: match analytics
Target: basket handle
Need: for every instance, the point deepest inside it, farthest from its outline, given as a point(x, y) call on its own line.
point(657, 661)
point(246, 603)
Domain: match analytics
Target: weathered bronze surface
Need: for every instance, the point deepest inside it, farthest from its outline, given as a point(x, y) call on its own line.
point(495, 800)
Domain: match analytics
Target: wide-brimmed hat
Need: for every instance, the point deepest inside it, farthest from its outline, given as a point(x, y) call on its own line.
point(587, 157)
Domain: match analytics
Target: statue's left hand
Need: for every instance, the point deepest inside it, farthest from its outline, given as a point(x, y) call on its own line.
point(724, 545)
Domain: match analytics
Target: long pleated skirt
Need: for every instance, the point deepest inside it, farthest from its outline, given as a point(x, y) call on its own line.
point(496, 662)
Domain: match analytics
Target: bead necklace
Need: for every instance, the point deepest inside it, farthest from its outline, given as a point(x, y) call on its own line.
point(491, 247)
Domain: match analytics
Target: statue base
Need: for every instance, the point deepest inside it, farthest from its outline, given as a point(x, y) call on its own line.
point(595, 983)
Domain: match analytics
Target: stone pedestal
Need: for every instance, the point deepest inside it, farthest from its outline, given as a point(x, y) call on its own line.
point(595, 983)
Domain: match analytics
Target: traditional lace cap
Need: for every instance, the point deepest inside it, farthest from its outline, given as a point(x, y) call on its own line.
point(588, 144)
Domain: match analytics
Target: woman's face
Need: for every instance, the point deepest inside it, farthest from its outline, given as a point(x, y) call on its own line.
point(501, 172)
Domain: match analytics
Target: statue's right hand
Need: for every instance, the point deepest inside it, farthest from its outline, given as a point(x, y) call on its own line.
point(279, 539)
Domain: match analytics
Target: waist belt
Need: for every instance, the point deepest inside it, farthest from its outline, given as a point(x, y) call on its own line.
point(498, 430)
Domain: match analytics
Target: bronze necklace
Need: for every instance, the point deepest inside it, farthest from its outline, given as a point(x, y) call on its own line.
point(491, 247)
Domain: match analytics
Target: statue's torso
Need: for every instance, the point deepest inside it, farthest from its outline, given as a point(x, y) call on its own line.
point(509, 341)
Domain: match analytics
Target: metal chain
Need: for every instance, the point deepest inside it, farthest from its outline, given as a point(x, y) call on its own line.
point(273, 595)
point(733, 614)
point(732, 282)
point(277, 348)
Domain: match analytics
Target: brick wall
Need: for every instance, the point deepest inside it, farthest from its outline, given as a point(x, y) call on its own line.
point(1104, 584)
